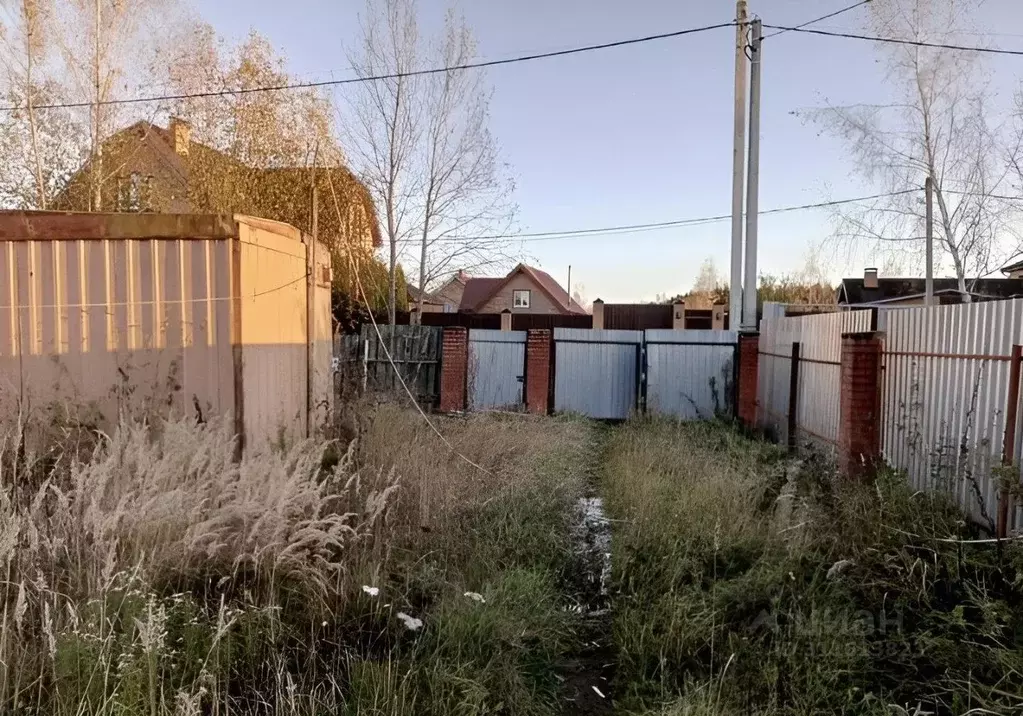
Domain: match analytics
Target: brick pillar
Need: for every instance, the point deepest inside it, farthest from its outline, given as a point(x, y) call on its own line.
point(678, 316)
point(454, 366)
point(538, 370)
point(859, 428)
point(749, 367)
point(598, 314)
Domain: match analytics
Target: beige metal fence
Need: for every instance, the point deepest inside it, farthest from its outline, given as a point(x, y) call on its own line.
point(108, 314)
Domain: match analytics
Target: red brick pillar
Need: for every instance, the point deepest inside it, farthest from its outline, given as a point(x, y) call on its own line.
point(538, 370)
point(859, 428)
point(749, 367)
point(454, 367)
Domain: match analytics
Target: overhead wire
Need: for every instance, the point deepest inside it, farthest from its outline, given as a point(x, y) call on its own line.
point(696, 221)
point(380, 77)
point(819, 19)
point(896, 40)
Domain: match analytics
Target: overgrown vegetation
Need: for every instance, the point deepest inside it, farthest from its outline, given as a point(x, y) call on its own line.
point(158, 576)
point(745, 583)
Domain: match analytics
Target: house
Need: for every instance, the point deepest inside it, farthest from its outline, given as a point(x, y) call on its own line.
point(445, 299)
point(524, 290)
point(1014, 269)
point(148, 168)
point(872, 290)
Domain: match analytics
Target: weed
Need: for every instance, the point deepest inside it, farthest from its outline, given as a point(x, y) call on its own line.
point(737, 591)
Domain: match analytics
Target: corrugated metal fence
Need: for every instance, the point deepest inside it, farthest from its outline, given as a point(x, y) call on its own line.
point(817, 372)
point(945, 391)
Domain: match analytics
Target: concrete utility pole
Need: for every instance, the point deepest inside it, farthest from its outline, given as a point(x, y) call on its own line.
point(929, 280)
point(749, 300)
point(738, 150)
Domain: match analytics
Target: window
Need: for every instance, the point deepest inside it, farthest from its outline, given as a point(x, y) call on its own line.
point(520, 299)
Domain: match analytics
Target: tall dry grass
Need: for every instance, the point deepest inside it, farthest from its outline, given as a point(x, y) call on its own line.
point(148, 572)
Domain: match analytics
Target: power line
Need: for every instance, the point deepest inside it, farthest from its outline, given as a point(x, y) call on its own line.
point(699, 221)
point(376, 78)
point(897, 41)
point(819, 19)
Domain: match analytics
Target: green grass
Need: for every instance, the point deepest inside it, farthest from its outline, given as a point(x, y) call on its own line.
point(748, 584)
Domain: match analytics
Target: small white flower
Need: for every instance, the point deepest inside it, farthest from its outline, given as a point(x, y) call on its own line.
point(371, 591)
point(411, 623)
point(323, 624)
point(476, 597)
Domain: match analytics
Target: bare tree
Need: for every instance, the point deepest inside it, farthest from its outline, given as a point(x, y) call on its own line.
point(464, 191)
point(385, 126)
point(938, 127)
point(424, 147)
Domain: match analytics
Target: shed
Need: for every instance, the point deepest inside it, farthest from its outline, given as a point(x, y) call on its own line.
point(166, 314)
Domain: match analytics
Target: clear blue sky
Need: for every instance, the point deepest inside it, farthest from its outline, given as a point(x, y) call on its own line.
point(644, 133)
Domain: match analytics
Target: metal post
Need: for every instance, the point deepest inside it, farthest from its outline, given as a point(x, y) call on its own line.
point(793, 426)
point(568, 289)
point(738, 150)
point(749, 300)
point(310, 314)
point(1009, 440)
point(929, 281)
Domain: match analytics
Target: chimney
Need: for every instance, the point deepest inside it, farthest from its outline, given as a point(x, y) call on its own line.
point(181, 135)
point(870, 278)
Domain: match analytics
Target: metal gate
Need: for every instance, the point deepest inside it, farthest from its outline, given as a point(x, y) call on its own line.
point(690, 374)
point(597, 372)
point(497, 361)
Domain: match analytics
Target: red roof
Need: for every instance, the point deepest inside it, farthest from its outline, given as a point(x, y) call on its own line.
point(477, 291)
point(480, 290)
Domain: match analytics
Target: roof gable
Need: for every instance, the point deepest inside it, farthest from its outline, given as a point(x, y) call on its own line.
point(478, 291)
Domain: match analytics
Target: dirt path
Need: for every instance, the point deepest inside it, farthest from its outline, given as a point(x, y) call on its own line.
point(587, 675)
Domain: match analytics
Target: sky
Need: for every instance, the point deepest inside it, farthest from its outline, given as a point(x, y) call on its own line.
point(643, 134)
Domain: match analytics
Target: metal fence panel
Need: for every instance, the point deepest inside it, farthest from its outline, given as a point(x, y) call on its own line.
point(820, 339)
point(496, 369)
point(690, 374)
point(944, 386)
point(597, 372)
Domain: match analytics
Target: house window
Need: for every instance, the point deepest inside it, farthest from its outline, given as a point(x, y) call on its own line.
point(520, 299)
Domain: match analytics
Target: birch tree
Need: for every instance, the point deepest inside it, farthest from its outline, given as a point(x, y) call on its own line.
point(423, 146)
point(937, 126)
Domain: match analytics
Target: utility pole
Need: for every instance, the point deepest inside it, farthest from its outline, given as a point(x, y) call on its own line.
point(738, 150)
point(749, 300)
point(929, 280)
point(97, 148)
point(568, 288)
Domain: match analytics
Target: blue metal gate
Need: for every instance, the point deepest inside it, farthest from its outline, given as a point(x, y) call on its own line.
point(690, 374)
point(597, 372)
point(497, 362)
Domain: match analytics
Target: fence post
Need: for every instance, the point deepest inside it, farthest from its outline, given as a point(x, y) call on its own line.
point(538, 369)
point(678, 316)
point(454, 370)
point(793, 424)
point(748, 379)
point(598, 314)
point(1009, 443)
point(859, 429)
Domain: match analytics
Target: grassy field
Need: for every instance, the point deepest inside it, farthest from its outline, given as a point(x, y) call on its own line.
point(150, 574)
point(157, 576)
point(745, 583)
